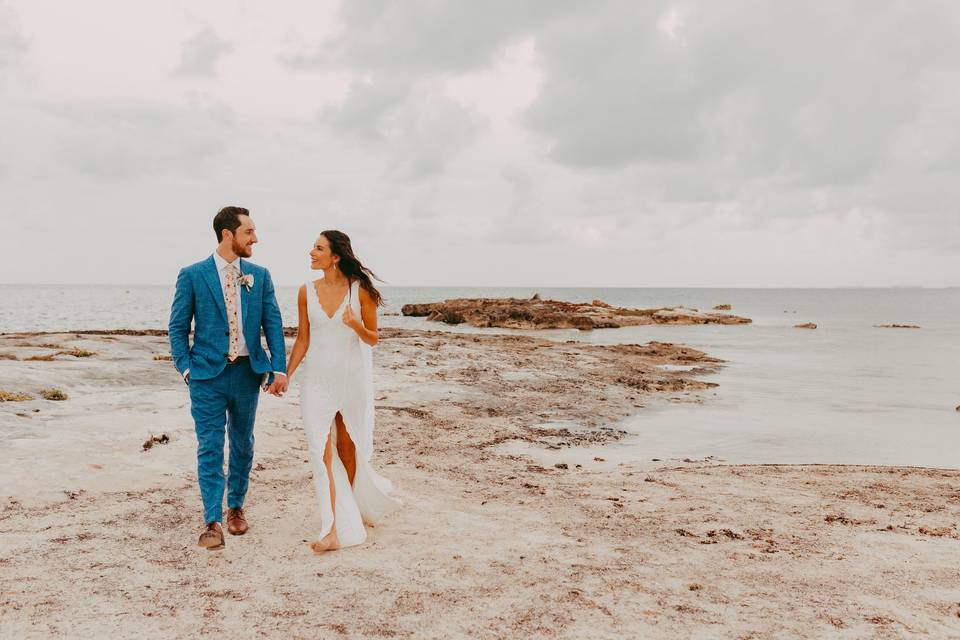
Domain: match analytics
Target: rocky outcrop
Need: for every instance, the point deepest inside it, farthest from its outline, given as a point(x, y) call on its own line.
point(515, 313)
point(806, 325)
point(722, 307)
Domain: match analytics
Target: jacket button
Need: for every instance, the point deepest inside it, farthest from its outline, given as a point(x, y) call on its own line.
point(226, 333)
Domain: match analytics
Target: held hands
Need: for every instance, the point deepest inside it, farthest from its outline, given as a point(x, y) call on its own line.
point(279, 385)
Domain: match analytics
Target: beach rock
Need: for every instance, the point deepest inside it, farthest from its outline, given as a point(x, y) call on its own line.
point(535, 313)
point(152, 440)
point(806, 325)
point(77, 353)
point(54, 394)
point(16, 396)
point(448, 316)
point(727, 533)
point(722, 307)
point(582, 323)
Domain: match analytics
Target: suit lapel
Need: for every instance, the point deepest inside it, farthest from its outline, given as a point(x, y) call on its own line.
point(213, 281)
point(244, 297)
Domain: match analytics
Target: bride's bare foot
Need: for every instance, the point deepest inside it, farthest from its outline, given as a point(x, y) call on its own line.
point(328, 542)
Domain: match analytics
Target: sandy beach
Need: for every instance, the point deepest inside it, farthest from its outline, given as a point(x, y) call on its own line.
point(516, 522)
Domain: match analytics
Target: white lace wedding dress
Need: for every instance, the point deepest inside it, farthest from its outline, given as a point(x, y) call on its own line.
point(338, 376)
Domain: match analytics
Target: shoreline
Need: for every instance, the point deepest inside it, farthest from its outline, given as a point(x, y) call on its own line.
point(98, 536)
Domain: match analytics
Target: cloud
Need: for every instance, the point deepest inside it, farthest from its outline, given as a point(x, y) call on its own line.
point(770, 111)
point(666, 109)
point(13, 44)
point(812, 94)
point(423, 36)
point(201, 52)
point(367, 106)
point(618, 142)
point(525, 220)
point(419, 128)
point(124, 142)
point(402, 56)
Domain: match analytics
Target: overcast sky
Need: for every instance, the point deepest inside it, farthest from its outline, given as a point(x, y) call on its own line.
point(620, 143)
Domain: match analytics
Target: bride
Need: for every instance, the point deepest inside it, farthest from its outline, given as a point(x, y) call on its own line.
point(336, 397)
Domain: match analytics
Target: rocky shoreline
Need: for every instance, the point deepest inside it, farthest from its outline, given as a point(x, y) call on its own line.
point(519, 520)
point(536, 313)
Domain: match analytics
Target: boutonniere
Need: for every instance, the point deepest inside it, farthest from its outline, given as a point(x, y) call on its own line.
point(246, 281)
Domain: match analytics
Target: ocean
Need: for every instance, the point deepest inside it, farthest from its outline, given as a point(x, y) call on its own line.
point(848, 392)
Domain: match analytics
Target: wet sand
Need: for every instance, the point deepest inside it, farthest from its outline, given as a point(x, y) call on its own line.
point(515, 523)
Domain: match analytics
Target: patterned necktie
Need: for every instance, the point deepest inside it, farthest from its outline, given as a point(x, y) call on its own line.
point(230, 297)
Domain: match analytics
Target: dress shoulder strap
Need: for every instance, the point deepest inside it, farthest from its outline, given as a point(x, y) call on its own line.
point(355, 295)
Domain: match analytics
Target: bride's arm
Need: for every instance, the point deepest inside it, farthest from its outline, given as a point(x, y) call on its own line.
point(367, 329)
point(302, 342)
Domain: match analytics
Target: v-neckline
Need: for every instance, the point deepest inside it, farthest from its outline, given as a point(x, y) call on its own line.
point(317, 296)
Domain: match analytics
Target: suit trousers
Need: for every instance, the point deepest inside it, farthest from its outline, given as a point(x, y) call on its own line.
point(226, 404)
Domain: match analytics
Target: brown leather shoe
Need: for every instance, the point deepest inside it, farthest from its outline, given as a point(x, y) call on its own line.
point(236, 523)
point(212, 538)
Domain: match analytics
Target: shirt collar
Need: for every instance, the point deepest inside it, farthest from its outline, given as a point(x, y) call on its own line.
point(222, 263)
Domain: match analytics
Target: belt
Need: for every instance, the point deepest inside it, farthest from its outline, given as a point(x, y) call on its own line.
point(239, 360)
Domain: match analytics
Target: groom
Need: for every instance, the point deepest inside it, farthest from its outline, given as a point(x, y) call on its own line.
point(229, 300)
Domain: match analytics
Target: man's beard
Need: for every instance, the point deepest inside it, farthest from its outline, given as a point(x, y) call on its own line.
point(244, 251)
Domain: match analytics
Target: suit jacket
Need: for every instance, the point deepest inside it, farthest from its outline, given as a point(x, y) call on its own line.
point(199, 300)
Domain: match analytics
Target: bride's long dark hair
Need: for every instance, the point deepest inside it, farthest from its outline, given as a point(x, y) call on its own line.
point(350, 266)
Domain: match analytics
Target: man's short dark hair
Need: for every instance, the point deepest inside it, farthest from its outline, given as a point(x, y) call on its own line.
point(228, 218)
